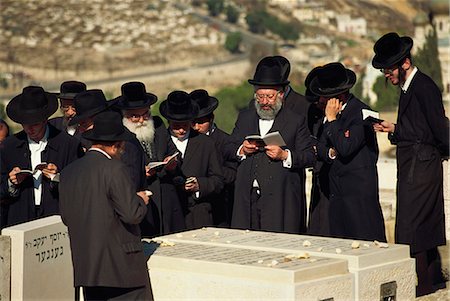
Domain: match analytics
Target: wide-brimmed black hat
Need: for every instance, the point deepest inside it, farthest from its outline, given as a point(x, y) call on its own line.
point(270, 71)
point(331, 79)
point(390, 49)
point(33, 105)
point(89, 103)
point(206, 104)
point(134, 96)
point(179, 107)
point(311, 97)
point(108, 126)
point(69, 89)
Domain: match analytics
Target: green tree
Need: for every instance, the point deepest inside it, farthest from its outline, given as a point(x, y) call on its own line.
point(233, 41)
point(255, 21)
point(387, 95)
point(215, 7)
point(427, 59)
point(2, 111)
point(232, 14)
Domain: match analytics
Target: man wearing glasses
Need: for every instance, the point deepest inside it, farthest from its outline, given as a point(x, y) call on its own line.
point(422, 138)
point(152, 140)
point(268, 188)
point(68, 91)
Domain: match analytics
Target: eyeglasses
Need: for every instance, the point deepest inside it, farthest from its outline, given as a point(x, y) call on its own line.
point(136, 117)
point(389, 71)
point(269, 97)
point(67, 107)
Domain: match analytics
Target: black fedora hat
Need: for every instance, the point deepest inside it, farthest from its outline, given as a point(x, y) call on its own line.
point(134, 96)
point(390, 49)
point(88, 104)
point(308, 94)
point(108, 126)
point(270, 71)
point(69, 89)
point(331, 79)
point(178, 107)
point(285, 66)
point(33, 105)
point(206, 104)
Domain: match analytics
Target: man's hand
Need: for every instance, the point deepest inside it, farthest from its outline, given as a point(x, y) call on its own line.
point(172, 164)
point(13, 178)
point(50, 170)
point(384, 126)
point(149, 172)
point(191, 184)
point(144, 196)
point(333, 107)
point(248, 148)
point(276, 153)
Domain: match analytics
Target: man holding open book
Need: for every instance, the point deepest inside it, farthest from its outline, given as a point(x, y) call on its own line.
point(268, 187)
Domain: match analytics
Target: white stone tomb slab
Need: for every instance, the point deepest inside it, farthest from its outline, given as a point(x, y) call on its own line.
point(380, 270)
point(41, 263)
point(185, 271)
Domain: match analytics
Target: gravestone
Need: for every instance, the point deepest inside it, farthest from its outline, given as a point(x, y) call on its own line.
point(41, 263)
point(184, 271)
point(379, 270)
point(5, 267)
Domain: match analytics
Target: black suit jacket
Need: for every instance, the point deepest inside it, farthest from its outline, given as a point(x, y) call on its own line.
point(422, 137)
point(100, 207)
point(282, 198)
point(201, 160)
point(355, 210)
point(61, 150)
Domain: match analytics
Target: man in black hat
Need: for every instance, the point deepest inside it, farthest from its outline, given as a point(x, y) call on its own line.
point(349, 145)
point(204, 124)
point(200, 174)
point(269, 188)
point(292, 99)
point(153, 141)
point(422, 138)
point(68, 90)
point(29, 195)
point(102, 210)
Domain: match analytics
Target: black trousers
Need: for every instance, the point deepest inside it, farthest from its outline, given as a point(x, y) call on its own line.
point(117, 293)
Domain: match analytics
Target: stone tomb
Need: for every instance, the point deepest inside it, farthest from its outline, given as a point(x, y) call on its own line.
point(185, 271)
point(41, 263)
point(379, 270)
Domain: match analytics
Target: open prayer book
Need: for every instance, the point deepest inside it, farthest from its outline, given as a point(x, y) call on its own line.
point(23, 173)
point(273, 138)
point(371, 116)
point(156, 164)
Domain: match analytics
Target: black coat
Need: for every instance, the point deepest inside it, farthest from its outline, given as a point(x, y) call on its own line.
point(201, 160)
point(165, 214)
point(319, 204)
point(355, 210)
point(102, 211)
point(61, 150)
point(282, 197)
point(422, 136)
point(223, 204)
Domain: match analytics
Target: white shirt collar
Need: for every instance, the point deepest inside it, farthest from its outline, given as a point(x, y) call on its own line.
point(100, 151)
point(408, 81)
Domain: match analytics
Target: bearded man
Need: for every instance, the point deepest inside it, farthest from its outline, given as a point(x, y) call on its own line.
point(153, 141)
point(268, 188)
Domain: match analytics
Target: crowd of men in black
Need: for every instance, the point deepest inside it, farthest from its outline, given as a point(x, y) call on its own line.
point(110, 166)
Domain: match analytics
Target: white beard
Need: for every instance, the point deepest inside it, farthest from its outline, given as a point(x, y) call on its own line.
point(144, 131)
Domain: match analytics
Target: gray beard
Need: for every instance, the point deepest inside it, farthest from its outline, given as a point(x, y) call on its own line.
point(269, 114)
point(144, 131)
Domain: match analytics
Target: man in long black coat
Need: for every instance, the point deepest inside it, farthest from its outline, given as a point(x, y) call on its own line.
point(422, 138)
point(204, 124)
point(268, 187)
point(38, 142)
point(349, 145)
point(153, 143)
point(102, 210)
